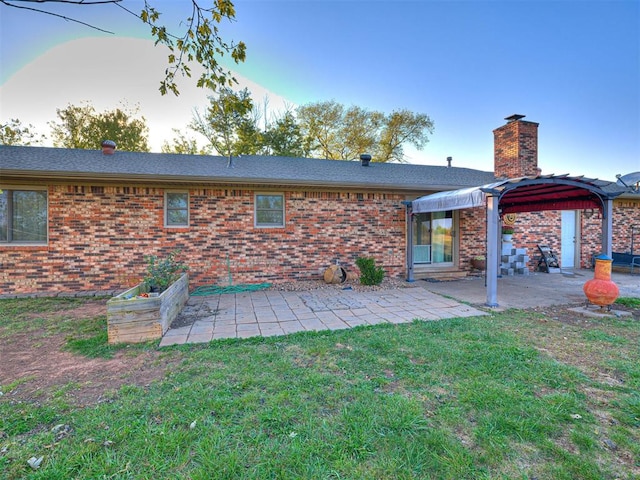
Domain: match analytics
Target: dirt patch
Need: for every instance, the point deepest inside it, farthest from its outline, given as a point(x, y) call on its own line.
point(37, 366)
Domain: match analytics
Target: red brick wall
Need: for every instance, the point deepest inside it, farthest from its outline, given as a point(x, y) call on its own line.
point(515, 148)
point(535, 228)
point(626, 214)
point(98, 237)
point(473, 227)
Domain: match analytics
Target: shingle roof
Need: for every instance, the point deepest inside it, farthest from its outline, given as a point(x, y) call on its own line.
point(61, 163)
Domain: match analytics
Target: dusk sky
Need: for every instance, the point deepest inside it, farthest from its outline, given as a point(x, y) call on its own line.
point(573, 66)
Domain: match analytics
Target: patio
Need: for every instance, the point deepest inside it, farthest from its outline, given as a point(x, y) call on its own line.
point(270, 312)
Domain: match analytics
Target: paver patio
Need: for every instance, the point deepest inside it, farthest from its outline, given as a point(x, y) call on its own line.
point(269, 313)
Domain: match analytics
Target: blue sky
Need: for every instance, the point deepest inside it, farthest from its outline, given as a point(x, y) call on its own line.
point(573, 66)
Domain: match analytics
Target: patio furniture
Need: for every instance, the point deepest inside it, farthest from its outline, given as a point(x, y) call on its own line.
point(547, 259)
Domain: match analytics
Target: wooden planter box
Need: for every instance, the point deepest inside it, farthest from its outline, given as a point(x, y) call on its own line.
point(133, 320)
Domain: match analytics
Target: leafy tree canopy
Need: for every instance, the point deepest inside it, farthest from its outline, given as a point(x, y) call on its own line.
point(14, 133)
point(198, 41)
point(226, 121)
point(183, 145)
point(82, 127)
point(336, 132)
point(284, 138)
point(323, 129)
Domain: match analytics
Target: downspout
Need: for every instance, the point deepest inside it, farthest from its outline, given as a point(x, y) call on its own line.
point(409, 241)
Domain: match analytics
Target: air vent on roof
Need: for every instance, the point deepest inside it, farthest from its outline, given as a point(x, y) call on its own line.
point(108, 147)
point(365, 158)
point(449, 159)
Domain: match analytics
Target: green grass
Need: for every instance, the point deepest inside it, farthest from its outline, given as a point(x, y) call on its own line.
point(501, 397)
point(629, 301)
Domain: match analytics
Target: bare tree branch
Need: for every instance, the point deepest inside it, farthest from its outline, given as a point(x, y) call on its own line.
point(12, 3)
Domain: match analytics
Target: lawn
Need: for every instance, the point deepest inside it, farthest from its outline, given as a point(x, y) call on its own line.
point(514, 395)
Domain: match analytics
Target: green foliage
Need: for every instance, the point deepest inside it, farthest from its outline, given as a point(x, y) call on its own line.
point(14, 133)
point(284, 138)
point(82, 127)
point(336, 132)
point(369, 273)
point(183, 145)
point(226, 116)
point(507, 230)
point(200, 41)
point(231, 124)
point(632, 302)
point(161, 273)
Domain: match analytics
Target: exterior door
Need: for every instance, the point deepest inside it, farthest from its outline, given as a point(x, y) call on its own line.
point(568, 239)
point(433, 238)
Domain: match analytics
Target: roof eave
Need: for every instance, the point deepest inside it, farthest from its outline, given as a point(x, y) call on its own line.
point(39, 176)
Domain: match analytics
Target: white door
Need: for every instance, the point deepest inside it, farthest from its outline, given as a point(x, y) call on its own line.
point(568, 239)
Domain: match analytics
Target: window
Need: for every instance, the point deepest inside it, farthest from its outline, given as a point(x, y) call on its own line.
point(23, 216)
point(176, 210)
point(269, 210)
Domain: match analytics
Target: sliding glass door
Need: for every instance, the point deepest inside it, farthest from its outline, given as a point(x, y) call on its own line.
point(433, 238)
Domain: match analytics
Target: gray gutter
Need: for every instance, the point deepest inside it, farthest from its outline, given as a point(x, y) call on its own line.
point(39, 175)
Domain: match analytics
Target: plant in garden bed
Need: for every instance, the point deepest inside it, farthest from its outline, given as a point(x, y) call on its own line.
point(369, 273)
point(479, 262)
point(161, 273)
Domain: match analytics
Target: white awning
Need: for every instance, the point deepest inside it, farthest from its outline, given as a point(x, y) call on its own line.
point(452, 200)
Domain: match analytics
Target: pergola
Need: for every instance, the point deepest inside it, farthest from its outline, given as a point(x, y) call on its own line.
point(518, 195)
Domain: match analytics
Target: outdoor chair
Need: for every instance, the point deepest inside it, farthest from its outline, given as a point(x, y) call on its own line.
point(547, 259)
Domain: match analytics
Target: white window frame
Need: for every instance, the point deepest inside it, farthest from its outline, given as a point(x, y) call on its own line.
point(27, 188)
point(255, 210)
point(166, 209)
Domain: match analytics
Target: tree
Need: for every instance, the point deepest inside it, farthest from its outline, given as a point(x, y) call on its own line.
point(284, 137)
point(183, 145)
point(332, 131)
point(200, 40)
point(14, 133)
point(225, 116)
point(400, 128)
point(320, 123)
point(249, 137)
point(81, 127)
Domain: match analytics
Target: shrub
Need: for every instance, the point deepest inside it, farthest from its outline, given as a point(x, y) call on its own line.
point(161, 273)
point(369, 273)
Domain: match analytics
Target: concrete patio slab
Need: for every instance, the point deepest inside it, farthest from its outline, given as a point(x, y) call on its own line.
point(270, 313)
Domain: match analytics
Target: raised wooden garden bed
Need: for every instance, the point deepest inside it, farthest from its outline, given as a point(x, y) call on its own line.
point(135, 319)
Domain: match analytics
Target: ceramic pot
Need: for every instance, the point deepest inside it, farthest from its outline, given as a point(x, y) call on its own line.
point(601, 290)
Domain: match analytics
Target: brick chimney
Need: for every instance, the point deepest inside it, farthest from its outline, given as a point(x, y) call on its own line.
point(515, 148)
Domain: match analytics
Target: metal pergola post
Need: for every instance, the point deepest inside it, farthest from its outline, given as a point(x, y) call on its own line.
point(409, 242)
point(493, 224)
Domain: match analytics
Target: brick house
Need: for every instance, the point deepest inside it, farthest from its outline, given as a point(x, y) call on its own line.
point(83, 220)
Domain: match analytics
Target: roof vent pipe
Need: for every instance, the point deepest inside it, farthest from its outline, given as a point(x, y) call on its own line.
point(365, 158)
point(449, 162)
point(108, 147)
